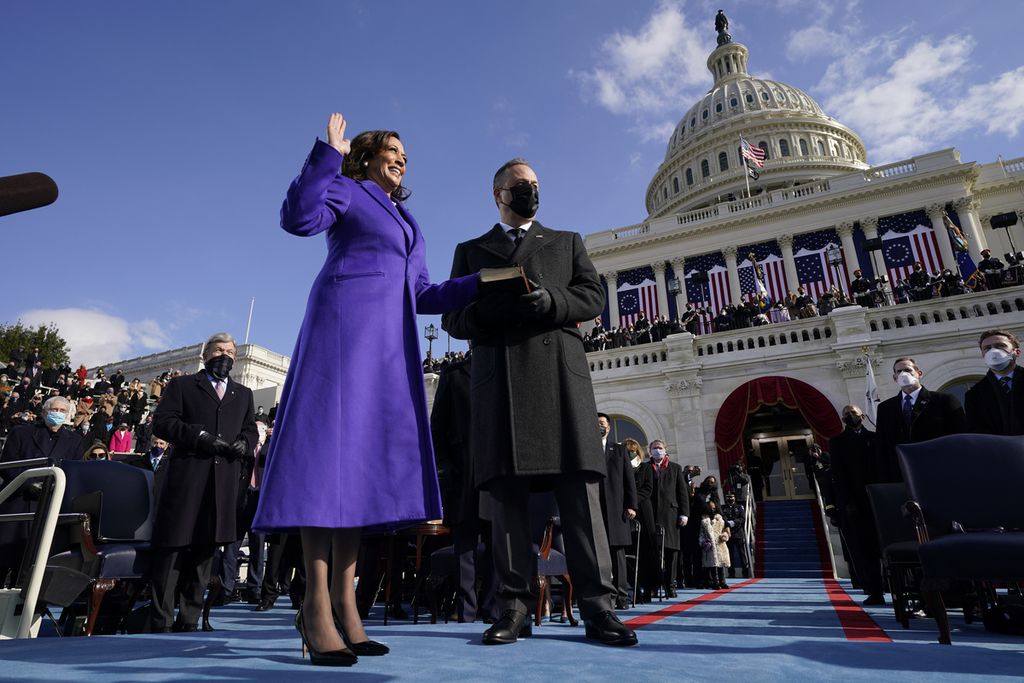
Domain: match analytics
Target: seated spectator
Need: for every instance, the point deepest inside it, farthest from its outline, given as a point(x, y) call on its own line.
point(121, 439)
point(96, 451)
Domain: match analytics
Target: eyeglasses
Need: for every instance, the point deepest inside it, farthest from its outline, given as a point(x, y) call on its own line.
point(524, 183)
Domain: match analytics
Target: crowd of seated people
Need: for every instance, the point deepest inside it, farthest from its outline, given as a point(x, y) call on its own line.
point(760, 309)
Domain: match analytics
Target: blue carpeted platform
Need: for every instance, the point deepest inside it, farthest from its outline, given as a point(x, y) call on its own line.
point(772, 629)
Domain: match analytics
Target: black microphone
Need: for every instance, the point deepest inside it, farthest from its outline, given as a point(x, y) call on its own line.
point(26, 191)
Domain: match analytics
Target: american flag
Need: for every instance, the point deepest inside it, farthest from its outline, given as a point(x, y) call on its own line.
point(906, 238)
point(772, 267)
point(755, 154)
point(718, 281)
point(637, 292)
point(813, 271)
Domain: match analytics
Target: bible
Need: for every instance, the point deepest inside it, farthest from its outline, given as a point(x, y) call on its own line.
point(508, 280)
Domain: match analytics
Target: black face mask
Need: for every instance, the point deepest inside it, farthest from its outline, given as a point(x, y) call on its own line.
point(852, 421)
point(525, 200)
point(219, 366)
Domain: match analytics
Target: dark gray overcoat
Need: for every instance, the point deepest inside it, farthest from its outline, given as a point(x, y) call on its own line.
point(198, 502)
point(533, 402)
point(670, 500)
point(618, 494)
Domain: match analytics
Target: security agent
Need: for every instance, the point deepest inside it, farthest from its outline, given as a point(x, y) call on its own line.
point(995, 405)
point(992, 268)
point(209, 419)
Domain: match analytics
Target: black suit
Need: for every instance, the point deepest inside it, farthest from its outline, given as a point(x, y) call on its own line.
point(853, 468)
point(618, 494)
point(935, 414)
point(990, 411)
point(533, 420)
point(27, 442)
point(197, 509)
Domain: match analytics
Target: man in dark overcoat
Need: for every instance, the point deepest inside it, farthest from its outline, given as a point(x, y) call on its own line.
point(914, 415)
point(209, 419)
point(532, 425)
point(671, 502)
point(853, 468)
point(449, 428)
point(995, 405)
point(45, 438)
point(619, 502)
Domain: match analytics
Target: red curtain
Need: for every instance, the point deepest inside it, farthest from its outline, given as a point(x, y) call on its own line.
point(812, 405)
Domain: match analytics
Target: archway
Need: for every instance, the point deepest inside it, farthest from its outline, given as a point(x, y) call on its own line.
point(746, 399)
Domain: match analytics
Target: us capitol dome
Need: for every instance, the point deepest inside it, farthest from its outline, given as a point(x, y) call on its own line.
point(703, 164)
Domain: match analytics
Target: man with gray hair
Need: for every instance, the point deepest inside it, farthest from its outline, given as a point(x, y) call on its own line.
point(210, 420)
point(46, 438)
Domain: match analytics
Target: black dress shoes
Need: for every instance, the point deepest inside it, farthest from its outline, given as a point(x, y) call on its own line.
point(266, 604)
point(607, 629)
point(178, 627)
point(874, 601)
point(508, 628)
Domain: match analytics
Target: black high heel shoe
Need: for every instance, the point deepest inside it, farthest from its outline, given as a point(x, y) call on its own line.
point(367, 648)
point(333, 658)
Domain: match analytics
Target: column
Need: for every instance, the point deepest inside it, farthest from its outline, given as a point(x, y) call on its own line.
point(661, 288)
point(845, 231)
point(942, 235)
point(967, 210)
point(678, 267)
point(613, 298)
point(786, 245)
point(734, 273)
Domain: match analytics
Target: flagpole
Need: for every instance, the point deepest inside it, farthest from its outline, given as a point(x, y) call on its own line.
point(249, 323)
point(746, 169)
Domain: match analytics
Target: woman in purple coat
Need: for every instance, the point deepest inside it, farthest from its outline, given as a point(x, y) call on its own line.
point(355, 382)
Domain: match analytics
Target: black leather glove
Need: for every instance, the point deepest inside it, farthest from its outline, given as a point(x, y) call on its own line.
point(238, 450)
point(536, 304)
point(213, 445)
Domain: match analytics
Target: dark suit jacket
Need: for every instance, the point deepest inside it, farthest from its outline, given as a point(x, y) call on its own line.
point(935, 414)
point(990, 412)
point(533, 401)
point(618, 493)
point(670, 500)
point(853, 468)
point(644, 478)
point(200, 496)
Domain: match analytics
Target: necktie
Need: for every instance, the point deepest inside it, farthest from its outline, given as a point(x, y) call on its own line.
point(1004, 384)
point(220, 389)
point(908, 407)
point(517, 235)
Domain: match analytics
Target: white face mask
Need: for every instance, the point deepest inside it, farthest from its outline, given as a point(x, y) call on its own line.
point(906, 379)
point(657, 454)
point(997, 359)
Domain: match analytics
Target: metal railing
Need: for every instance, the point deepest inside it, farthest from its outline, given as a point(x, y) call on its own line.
point(749, 527)
point(48, 514)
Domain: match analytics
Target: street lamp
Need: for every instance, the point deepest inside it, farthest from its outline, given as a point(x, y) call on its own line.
point(835, 258)
point(430, 332)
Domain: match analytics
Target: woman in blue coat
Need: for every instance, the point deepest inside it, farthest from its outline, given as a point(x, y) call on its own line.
point(352, 447)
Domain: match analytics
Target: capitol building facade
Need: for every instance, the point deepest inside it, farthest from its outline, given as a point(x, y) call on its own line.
point(765, 393)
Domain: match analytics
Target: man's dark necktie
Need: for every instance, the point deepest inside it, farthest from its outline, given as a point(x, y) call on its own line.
point(1004, 384)
point(517, 235)
point(908, 408)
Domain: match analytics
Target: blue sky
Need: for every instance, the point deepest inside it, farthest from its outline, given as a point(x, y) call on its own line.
point(173, 129)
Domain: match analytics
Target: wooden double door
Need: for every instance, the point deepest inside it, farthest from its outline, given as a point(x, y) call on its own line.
point(785, 466)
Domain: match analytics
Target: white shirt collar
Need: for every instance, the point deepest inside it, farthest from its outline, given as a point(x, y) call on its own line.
point(913, 396)
point(525, 227)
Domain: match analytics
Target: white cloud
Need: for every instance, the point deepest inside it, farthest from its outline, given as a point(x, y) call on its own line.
point(908, 99)
point(658, 69)
point(95, 338)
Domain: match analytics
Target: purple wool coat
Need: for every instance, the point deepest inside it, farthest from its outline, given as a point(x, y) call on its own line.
point(352, 444)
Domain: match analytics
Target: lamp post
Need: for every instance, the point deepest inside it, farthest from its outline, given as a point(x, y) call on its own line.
point(430, 332)
point(835, 258)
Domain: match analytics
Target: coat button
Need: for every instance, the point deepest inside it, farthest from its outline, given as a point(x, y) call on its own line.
point(547, 340)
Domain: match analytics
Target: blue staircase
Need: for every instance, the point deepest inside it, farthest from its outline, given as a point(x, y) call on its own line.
point(789, 541)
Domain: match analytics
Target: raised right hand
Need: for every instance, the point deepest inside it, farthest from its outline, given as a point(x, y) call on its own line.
point(336, 133)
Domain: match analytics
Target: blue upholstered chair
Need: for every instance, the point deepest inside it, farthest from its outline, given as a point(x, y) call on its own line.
point(897, 540)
